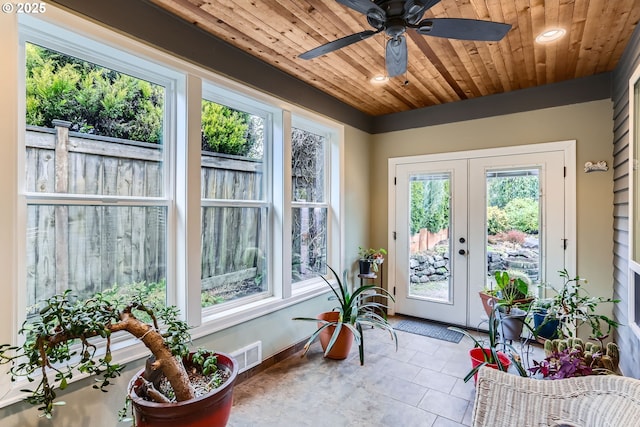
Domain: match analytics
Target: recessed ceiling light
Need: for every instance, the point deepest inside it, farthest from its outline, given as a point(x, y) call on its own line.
point(551, 35)
point(379, 79)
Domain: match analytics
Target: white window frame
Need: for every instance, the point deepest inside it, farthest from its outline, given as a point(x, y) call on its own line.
point(61, 40)
point(182, 192)
point(234, 100)
point(303, 123)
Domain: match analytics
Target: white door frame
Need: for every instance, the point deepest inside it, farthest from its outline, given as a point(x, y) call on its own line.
point(569, 151)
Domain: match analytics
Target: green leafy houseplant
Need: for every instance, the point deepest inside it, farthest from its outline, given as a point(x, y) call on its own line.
point(374, 256)
point(511, 290)
point(356, 308)
point(573, 307)
point(492, 347)
point(58, 344)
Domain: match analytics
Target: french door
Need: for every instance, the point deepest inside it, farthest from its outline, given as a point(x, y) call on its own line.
point(431, 240)
point(458, 220)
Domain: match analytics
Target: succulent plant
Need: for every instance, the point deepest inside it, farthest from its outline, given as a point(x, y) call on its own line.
point(601, 358)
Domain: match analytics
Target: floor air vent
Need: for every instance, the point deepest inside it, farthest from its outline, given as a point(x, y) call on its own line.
point(248, 356)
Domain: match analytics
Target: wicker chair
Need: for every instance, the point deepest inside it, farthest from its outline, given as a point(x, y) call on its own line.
point(506, 400)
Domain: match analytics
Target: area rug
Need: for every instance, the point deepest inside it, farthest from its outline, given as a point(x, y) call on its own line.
point(428, 329)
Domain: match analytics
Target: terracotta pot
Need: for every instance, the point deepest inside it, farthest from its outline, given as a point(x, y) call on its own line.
point(211, 410)
point(477, 358)
point(342, 346)
point(487, 302)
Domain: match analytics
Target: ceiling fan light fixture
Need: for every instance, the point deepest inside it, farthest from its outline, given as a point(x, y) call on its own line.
point(551, 35)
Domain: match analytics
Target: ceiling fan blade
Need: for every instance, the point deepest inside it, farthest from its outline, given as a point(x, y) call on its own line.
point(430, 3)
point(396, 56)
point(337, 44)
point(363, 6)
point(414, 9)
point(463, 29)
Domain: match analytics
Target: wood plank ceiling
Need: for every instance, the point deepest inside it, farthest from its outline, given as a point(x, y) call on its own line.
point(439, 70)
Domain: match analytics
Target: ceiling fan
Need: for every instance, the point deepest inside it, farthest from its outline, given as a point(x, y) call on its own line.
point(394, 17)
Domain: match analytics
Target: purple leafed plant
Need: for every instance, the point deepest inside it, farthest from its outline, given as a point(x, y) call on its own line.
point(567, 363)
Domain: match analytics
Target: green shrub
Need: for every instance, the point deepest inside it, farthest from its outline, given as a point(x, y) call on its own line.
point(497, 221)
point(225, 130)
point(502, 190)
point(101, 101)
point(522, 214)
point(430, 205)
point(94, 99)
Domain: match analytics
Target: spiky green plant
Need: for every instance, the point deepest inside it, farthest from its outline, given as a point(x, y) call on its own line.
point(357, 308)
point(494, 345)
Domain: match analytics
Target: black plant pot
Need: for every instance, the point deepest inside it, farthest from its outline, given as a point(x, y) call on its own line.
point(365, 266)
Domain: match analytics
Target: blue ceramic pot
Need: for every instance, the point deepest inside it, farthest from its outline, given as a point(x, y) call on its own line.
point(547, 328)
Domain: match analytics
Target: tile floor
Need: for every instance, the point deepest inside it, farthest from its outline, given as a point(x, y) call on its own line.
point(419, 385)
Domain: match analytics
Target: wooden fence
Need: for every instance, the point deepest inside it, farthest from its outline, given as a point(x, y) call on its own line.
point(88, 248)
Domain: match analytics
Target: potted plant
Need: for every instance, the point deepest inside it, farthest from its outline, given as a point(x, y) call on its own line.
point(511, 290)
point(355, 308)
point(59, 343)
point(370, 259)
point(512, 301)
point(573, 307)
point(572, 357)
point(492, 352)
point(545, 325)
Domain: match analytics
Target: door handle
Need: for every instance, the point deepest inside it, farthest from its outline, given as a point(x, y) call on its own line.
point(462, 252)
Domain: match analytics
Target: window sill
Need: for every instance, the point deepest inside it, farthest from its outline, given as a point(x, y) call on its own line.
point(225, 319)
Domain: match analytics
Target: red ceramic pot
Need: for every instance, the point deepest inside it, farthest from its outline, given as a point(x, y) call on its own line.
point(477, 358)
point(211, 410)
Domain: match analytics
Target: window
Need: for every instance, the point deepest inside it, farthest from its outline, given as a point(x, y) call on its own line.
point(107, 205)
point(95, 178)
point(235, 210)
point(310, 208)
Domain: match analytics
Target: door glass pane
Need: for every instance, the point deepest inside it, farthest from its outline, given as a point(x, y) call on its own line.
point(429, 267)
point(513, 224)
